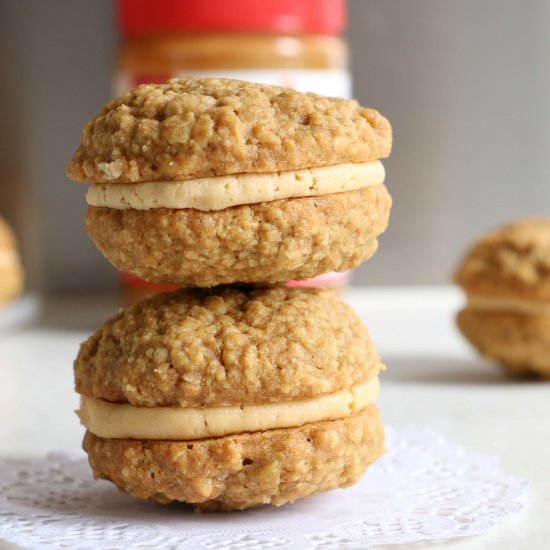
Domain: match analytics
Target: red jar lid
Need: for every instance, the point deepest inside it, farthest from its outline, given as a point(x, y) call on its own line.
point(138, 17)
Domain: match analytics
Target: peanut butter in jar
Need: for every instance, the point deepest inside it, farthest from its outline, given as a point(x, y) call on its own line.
point(293, 43)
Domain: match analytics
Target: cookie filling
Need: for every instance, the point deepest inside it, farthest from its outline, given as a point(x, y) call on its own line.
point(217, 193)
point(125, 421)
point(511, 305)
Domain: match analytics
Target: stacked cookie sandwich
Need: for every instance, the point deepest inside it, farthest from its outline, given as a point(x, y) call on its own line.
point(234, 391)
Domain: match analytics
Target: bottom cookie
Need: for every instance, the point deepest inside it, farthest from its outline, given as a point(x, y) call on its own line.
point(245, 470)
point(267, 242)
point(521, 343)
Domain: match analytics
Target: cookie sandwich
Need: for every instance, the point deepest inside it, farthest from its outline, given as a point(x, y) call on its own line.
point(11, 272)
point(201, 182)
point(506, 278)
point(231, 398)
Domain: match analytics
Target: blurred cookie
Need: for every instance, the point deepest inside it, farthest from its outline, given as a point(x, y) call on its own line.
point(201, 182)
point(506, 277)
point(231, 398)
point(11, 272)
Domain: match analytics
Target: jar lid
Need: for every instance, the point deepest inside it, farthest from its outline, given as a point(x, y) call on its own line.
point(139, 17)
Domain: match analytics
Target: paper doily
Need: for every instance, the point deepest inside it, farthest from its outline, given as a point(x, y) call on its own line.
point(424, 488)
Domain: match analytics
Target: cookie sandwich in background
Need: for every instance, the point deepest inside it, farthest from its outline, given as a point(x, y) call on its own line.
point(506, 278)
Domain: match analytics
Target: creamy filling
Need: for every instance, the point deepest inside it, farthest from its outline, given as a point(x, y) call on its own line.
point(513, 305)
point(124, 421)
point(217, 193)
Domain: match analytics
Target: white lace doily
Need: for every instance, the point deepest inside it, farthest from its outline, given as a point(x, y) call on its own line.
point(424, 488)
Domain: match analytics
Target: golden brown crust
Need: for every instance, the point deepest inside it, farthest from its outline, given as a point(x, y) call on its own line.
point(227, 346)
point(268, 242)
point(513, 261)
point(242, 471)
point(191, 127)
point(521, 343)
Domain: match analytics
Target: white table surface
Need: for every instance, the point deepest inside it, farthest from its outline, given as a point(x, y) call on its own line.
point(433, 379)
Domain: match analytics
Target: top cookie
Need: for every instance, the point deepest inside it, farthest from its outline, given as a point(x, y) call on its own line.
point(198, 127)
point(512, 261)
point(227, 346)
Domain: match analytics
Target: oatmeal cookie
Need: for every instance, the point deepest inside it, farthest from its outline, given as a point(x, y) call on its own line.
point(202, 182)
point(506, 277)
point(227, 346)
point(197, 127)
point(511, 261)
point(520, 343)
point(268, 242)
point(244, 470)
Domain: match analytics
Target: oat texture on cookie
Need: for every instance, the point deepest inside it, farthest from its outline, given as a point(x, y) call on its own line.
point(227, 346)
point(271, 242)
point(513, 260)
point(192, 127)
point(246, 470)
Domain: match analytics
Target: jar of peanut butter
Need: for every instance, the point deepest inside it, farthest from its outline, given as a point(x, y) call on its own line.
point(293, 43)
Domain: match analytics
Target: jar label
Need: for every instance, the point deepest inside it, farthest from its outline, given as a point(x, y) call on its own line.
point(328, 82)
